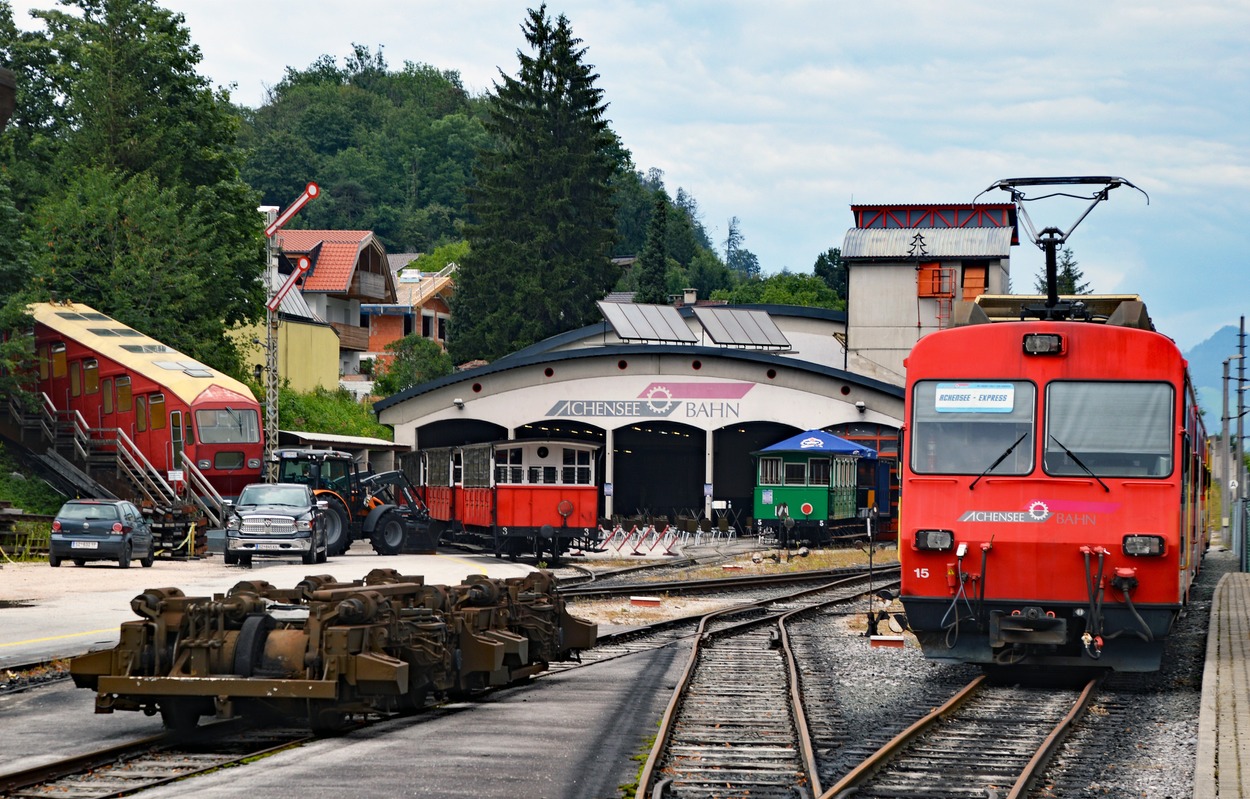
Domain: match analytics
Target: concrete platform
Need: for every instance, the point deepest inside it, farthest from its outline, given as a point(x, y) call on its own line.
point(48, 613)
point(1223, 767)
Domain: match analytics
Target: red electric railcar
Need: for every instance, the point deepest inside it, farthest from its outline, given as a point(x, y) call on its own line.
point(127, 386)
point(1054, 475)
point(514, 496)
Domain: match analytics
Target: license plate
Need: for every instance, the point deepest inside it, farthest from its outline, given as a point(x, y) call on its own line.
point(269, 546)
point(84, 545)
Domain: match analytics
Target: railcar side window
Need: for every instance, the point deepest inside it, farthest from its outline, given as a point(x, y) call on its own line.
point(770, 471)
point(1113, 429)
point(576, 470)
point(106, 394)
point(156, 405)
point(91, 376)
point(75, 378)
point(818, 471)
point(123, 395)
point(58, 359)
point(964, 427)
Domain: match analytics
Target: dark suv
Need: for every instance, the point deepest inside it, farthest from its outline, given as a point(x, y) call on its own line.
point(100, 529)
point(277, 519)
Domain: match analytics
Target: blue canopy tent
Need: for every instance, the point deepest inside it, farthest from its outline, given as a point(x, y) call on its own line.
point(820, 441)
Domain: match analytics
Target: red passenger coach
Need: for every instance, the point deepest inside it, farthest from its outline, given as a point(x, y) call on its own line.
point(130, 389)
point(515, 496)
point(1053, 489)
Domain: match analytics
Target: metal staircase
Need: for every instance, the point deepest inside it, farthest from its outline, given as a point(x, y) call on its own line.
point(105, 462)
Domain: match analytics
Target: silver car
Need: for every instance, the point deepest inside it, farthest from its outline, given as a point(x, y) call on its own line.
point(100, 529)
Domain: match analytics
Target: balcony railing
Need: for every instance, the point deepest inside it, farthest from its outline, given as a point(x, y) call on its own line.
point(352, 337)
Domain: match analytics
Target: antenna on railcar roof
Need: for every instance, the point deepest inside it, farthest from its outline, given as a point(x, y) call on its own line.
point(1050, 239)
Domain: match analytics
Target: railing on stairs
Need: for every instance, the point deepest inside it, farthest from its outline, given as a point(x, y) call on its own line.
point(202, 494)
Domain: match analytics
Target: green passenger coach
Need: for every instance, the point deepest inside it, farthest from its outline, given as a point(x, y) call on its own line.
point(809, 488)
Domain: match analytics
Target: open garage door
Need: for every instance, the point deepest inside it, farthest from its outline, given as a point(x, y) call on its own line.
point(659, 469)
point(453, 432)
point(735, 469)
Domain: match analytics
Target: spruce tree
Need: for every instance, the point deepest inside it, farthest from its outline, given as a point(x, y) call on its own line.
point(653, 265)
point(1067, 277)
point(542, 215)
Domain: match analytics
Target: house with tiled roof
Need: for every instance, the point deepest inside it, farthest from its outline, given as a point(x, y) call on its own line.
point(348, 269)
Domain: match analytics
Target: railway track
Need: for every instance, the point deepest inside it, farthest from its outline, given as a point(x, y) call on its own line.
point(145, 763)
point(736, 724)
point(986, 741)
point(647, 637)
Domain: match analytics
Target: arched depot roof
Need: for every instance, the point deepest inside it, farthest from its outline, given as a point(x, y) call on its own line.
point(590, 376)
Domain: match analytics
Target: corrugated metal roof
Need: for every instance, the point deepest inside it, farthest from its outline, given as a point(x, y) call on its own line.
point(901, 243)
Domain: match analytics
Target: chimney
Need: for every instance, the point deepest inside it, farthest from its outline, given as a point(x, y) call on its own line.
point(691, 295)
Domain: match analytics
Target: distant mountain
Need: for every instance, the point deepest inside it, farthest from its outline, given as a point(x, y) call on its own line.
point(1206, 369)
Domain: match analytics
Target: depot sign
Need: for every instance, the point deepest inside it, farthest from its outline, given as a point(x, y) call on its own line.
point(715, 400)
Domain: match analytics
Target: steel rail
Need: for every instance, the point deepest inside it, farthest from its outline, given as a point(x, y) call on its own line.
point(865, 771)
point(717, 583)
point(95, 765)
point(876, 760)
point(1048, 748)
point(647, 778)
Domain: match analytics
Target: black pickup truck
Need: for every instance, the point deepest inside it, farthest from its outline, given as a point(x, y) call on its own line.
point(275, 519)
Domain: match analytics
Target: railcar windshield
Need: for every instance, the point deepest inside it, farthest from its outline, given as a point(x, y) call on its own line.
point(228, 425)
point(1114, 429)
point(965, 428)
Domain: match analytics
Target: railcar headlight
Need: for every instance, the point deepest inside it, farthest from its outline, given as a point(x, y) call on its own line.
point(1043, 344)
point(204, 463)
point(253, 463)
point(935, 540)
point(1143, 545)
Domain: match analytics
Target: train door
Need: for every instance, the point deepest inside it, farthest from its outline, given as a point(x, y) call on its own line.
point(177, 439)
point(158, 432)
point(140, 431)
point(59, 368)
point(106, 403)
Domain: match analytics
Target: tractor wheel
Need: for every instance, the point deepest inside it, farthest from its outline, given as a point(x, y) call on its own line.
point(338, 533)
point(388, 534)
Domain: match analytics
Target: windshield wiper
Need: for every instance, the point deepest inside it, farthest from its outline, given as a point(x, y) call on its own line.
point(1080, 463)
point(1001, 458)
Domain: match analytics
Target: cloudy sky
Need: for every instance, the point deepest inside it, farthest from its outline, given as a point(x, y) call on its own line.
point(784, 113)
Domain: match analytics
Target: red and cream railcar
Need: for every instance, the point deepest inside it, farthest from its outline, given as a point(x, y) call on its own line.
point(515, 496)
point(122, 381)
point(1054, 478)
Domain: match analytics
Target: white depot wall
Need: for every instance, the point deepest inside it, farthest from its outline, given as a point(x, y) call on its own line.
point(650, 388)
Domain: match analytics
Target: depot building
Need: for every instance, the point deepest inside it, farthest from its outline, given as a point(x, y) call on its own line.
point(679, 397)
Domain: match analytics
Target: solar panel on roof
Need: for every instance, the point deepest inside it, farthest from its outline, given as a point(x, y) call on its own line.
point(647, 322)
point(740, 327)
